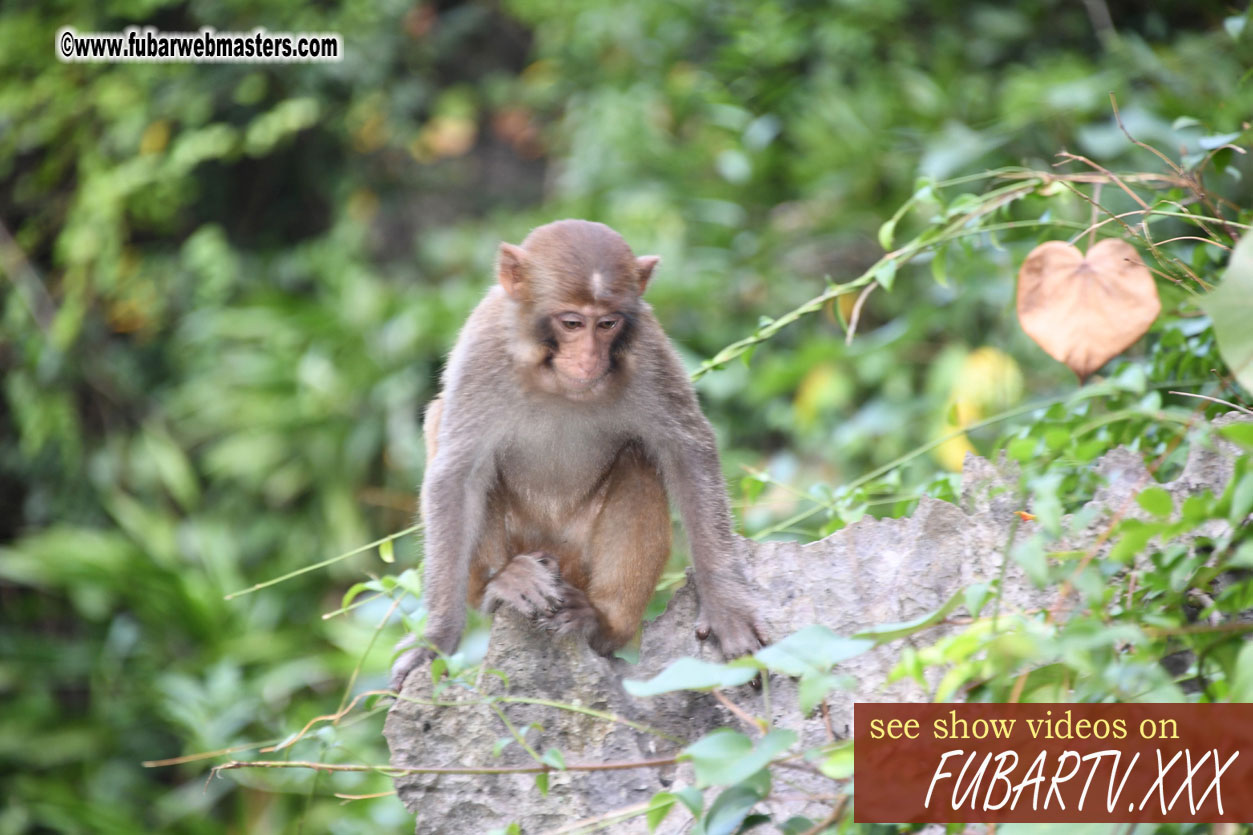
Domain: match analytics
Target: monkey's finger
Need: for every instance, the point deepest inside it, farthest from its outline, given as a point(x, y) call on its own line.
point(406, 664)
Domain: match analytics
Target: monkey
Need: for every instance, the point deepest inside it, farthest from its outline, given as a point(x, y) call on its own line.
point(565, 426)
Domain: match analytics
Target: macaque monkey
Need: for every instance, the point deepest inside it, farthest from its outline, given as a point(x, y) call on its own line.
point(565, 426)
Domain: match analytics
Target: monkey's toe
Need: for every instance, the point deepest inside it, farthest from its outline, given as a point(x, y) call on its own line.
point(737, 634)
point(573, 614)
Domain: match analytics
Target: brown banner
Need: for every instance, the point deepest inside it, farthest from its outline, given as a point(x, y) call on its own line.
point(1053, 763)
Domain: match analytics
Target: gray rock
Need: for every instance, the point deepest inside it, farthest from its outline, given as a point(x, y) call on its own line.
point(872, 572)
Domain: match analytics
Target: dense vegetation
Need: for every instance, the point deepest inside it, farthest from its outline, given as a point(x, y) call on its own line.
point(227, 289)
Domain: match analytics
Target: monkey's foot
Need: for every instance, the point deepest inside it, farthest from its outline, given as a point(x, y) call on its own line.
point(573, 614)
point(737, 633)
point(529, 583)
point(408, 661)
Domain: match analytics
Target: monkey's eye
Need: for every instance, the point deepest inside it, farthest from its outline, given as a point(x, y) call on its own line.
point(607, 324)
point(571, 324)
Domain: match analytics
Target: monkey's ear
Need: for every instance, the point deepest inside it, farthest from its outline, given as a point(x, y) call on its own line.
point(644, 266)
point(511, 268)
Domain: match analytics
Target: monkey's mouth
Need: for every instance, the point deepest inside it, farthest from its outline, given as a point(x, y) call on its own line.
point(580, 385)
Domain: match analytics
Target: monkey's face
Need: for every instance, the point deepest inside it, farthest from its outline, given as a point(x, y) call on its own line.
point(576, 288)
point(582, 341)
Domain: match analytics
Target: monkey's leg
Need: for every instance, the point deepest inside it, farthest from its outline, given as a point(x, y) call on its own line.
point(627, 548)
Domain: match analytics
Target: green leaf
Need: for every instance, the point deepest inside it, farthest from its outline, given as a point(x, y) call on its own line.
point(658, 807)
point(173, 468)
point(1230, 306)
point(885, 273)
point(1241, 689)
point(1209, 143)
point(500, 745)
point(813, 688)
point(838, 763)
point(1243, 557)
point(354, 590)
point(1029, 553)
point(729, 809)
point(541, 783)
point(692, 798)
point(1156, 501)
point(1135, 535)
point(886, 632)
point(886, 230)
point(1239, 433)
point(554, 758)
point(690, 674)
point(387, 551)
point(812, 649)
point(725, 756)
point(1241, 500)
point(975, 596)
point(939, 267)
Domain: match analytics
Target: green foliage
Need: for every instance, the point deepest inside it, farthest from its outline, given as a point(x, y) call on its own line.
point(1230, 305)
point(225, 291)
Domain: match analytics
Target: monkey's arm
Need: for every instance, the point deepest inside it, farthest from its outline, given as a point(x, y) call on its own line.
point(454, 499)
point(693, 477)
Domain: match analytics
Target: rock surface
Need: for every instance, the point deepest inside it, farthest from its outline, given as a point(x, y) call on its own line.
point(872, 572)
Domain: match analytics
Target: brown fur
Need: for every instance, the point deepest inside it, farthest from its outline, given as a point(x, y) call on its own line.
point(576, 478)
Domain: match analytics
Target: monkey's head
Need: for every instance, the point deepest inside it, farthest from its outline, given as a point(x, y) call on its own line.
point(576, 286)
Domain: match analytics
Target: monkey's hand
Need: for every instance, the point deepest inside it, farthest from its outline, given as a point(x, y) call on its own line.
point(735, 628)
point(529, 583)
point(409, 661)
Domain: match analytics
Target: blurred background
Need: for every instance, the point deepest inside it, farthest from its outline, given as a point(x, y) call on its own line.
point(226, 292)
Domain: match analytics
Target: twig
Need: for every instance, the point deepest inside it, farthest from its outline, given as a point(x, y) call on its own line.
point(1096, 201)
point(613, 816)
point(856, 315)
point(1067, 156)
point(826, 720)
point(835, 815)
point(394, 771)
point(1098, 14)
point(191, 758)
point(739, 712)
point(1235, 406)
point(371, 796)
point(1195, 238)
point(324, 563)
point(1170, 163)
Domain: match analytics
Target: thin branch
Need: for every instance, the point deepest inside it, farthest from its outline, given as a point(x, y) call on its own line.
point(1235, 406)
point(830, 819)
point(372, 796)
point(739, 712)
point(324, 563)
point(1113, 103)
point(1195, 238)
point(856, 315)
point(396, 771)
point(601, 821)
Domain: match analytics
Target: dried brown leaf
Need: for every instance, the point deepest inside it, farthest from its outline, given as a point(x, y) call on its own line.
point(1085, 310)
